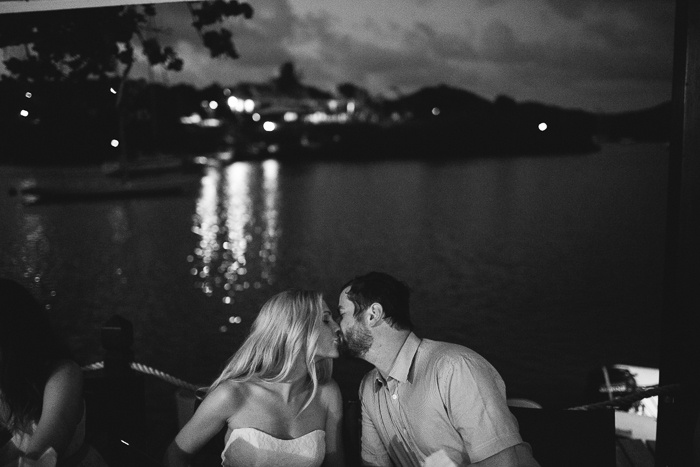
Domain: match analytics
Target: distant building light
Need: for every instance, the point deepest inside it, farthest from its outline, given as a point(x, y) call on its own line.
point(269, 126)
point(24, 113)
point(256, 117)
point(332, 105)
point(205, 104)
point(193, 119)
point(290, 116)
point(542, 126)
point(236, 104)
point(28, 95)
point(112, 90)
point(213, 105)
point(227, 92)
point(211, 123)
point(351, 106)
point(436, 111)
point(114, 143)
point(249, 105)
point(317, 117)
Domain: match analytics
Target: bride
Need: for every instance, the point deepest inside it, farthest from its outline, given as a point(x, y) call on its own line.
point(275, 396)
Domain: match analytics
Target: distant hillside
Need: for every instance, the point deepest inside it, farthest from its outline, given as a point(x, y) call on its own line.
point(653, 124)
point(460, 123)
point(449, 101)
point(507, 126)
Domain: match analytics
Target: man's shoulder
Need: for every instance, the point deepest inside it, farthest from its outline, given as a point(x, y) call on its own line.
point(443, 360)
point(436, 352)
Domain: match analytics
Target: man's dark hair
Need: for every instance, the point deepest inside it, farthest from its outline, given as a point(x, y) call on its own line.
point(389, 292)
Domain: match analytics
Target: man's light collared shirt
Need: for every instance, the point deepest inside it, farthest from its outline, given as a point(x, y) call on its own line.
point(438, 396)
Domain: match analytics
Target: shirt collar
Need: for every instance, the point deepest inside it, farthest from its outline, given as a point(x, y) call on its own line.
point(404, 360)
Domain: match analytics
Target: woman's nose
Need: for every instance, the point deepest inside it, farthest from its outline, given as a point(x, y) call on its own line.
point(336, 328)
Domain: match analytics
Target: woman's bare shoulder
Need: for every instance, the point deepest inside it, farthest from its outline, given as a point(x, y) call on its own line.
point(66, 373)
point(230, 392)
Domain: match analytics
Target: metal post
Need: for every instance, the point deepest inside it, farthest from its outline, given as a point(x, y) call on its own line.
point(116, 395)
point(677, 443)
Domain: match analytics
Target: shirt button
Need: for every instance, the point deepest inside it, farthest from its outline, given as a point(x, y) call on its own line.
point(394, 396)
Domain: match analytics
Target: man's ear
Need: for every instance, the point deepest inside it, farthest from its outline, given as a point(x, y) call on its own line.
point(374, 315)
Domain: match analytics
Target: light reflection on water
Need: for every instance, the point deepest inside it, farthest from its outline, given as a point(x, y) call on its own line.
point(119, 221)
point(34, 252)
point(237, 246)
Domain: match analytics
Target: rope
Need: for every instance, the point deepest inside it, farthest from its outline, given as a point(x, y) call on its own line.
point(94, 366)
point(164, 376)
point(141, 368)
point(651, 391)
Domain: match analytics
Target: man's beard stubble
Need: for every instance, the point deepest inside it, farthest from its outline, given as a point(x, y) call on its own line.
point(356, 342)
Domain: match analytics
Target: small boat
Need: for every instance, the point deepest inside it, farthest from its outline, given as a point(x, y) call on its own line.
point(32, 193)
point(148, 167)
point(636, 419)
point(618, 427)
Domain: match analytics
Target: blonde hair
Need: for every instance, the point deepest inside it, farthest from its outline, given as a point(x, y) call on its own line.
point(286, 327)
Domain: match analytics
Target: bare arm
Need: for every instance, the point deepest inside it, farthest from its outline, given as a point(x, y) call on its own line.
point(176, 457)
point(207, 421)
point(62, 409)
point(334, 425)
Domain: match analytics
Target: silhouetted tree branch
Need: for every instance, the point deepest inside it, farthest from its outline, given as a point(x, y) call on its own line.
point(101, 44)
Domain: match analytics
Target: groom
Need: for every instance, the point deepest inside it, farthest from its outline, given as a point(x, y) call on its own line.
point(426, 402)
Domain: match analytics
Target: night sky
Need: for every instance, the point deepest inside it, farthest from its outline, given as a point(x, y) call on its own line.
point(597, 55)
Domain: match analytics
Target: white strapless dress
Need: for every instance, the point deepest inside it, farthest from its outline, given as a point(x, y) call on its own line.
point(250, 447)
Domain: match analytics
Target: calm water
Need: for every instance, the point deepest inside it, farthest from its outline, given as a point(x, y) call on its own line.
point(548, 266)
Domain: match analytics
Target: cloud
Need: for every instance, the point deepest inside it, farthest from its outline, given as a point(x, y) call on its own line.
point(261, 43)
point(577, 9)
point(499, 44)
point(419, 56)
point(443, 45)
point(558, 51)
point(603, 55)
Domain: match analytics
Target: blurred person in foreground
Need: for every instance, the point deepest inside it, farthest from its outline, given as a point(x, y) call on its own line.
point(275, 396)
point(42, 411)
point(426, 403)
